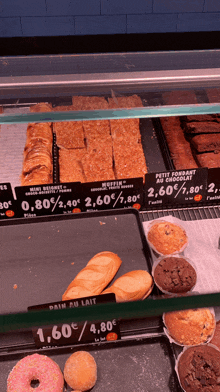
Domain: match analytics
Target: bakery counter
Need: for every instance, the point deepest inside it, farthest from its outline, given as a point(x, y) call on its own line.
point(108, 149)
point(52, 251)
point(84, 151)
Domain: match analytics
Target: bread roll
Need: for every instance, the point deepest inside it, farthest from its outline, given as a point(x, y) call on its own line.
point(92, 279)
point(80, 371)
point(132, 286)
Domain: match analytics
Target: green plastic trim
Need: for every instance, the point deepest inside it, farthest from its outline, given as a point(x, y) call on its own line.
point(150, 111)
point(110, 311)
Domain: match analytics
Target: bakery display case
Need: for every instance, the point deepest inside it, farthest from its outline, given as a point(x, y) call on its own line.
point(95, 151)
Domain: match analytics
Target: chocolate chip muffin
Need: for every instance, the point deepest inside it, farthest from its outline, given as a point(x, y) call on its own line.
point(199, 369)
point(167, 238)
point(174, 275)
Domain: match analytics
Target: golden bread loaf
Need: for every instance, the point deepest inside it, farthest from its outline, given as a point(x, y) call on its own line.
point(132, 286)
point(92, 279)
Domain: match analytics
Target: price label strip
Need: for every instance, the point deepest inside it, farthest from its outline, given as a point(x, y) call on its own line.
point(76, 333)
point(213, 187)
point(104, 195)
point(176, 187)
point(7, 202)
point(49, 199)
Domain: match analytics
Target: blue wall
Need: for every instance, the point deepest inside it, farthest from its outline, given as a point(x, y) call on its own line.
point(28, 18)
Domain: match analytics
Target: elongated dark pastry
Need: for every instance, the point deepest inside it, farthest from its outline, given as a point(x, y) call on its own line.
point(37, 164)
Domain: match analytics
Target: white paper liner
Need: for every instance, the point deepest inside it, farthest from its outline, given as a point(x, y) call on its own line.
point(202, 249)
point(172, 340)
point(156, 262)
point(179, 356)
point(180, 251)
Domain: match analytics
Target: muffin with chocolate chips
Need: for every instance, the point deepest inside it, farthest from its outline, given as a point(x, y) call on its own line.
point(167, 238)
point(198, 369)
point(175, 275)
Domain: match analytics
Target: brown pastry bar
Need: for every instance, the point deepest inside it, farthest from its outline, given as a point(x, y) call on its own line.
point(200, 118)
point(37, 164)
point(125, 128)
point(202, 127)
point(89, 103)
point(97, 163)
point(209, 159)
point(180, 149)
point(96, 167)
point(69, 134)
point(96, 131)
point(129, 159)
point(70, 165)
point(205, 142)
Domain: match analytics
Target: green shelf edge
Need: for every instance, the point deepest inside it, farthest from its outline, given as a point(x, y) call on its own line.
point(158, 111)
point(129, 310)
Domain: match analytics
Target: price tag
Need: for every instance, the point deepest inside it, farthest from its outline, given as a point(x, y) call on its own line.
point(176, 187)
point(49, 199)
point(76, 332)
point(113, 194)
point(7, 202)
point(213, 187)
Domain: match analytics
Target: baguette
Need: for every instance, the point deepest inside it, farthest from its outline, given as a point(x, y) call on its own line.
point(132, 286)
point(92, 279)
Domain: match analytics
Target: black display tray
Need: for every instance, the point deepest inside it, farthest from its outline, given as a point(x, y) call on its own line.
point(41, 256)
point(140, 366)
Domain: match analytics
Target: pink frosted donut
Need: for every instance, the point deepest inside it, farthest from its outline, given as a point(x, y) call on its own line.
point(35, 367)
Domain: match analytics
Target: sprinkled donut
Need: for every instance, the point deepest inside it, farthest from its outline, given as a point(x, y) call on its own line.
point(38, 368)
point(80, 371)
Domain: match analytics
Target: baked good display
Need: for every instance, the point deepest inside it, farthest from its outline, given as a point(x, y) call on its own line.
point(166, 238)
point(38, 368)
point(92, 279)
point(180, 149)
point(198, 369)
point(174, 275)
point(216, 337)
point(111, 149)
point(188, 137)
point(80, 371)
point(95, 162)
point(132, 286)
point(88, 151)
point(128, 155)
point(190, 327)
point(37, 163)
